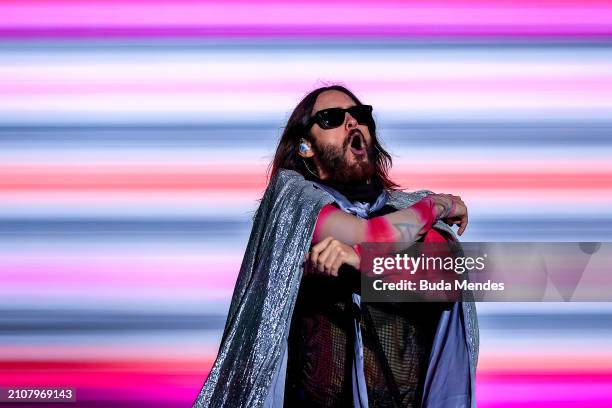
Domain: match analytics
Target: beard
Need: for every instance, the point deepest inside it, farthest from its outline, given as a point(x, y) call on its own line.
point(333, 160)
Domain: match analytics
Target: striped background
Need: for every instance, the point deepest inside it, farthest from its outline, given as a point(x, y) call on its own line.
point(135, 135)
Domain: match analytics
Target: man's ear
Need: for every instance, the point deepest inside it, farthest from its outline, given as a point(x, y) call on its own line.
point(305, 149)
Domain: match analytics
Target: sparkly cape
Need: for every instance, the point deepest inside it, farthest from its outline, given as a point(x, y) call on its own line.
point(266, 290)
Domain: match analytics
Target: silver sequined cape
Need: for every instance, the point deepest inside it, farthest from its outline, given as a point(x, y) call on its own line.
point(266, 291)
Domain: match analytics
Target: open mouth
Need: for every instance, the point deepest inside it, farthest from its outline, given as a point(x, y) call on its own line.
point(357, 143)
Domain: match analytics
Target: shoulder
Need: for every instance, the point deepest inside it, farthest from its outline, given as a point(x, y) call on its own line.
point(401, 199)
point(291, 182)
point(290, 178)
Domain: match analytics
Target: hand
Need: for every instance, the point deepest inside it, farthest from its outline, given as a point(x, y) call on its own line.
point(451, 209)
point(328, 255)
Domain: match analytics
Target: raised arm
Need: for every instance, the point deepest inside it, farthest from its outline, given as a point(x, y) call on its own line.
point(405, 225)
point(337, 235)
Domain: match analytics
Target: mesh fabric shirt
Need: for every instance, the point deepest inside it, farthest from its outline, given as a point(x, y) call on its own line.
point(397, 340)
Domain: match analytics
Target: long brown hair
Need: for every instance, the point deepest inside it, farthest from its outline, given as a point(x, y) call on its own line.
point(287, 157)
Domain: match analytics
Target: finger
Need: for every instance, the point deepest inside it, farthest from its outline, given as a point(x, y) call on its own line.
point(336, 265)
point(313, 258)
point(463, 225)
point(335, 253)
point(318, 249)
point(323, 257)
point(321, 245)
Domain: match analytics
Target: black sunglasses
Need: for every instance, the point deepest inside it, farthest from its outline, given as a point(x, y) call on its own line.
point(333, 117)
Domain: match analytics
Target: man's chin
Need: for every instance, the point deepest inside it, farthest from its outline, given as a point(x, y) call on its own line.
point(358, 173)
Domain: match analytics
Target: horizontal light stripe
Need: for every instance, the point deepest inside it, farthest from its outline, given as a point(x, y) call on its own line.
point(121, 14)
point(205, 178)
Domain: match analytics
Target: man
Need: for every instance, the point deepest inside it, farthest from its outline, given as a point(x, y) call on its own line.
point(297, 333)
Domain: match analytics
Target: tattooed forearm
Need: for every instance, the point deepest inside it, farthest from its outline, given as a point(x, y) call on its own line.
point(408, 231)
point(405, 225)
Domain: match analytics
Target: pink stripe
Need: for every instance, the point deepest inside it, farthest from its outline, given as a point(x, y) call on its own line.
point(412, 3)
point(535, 377)
point(113, 381)
point(586, 32)
point(523, 4)
point(545, 392)
point(128, 365)
point(582, 86)
point(175, 181)
point(528, 388)
point(119, 273)
point(65, 15)
point(124, 383)
point(493, 364)
point(590, 402)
